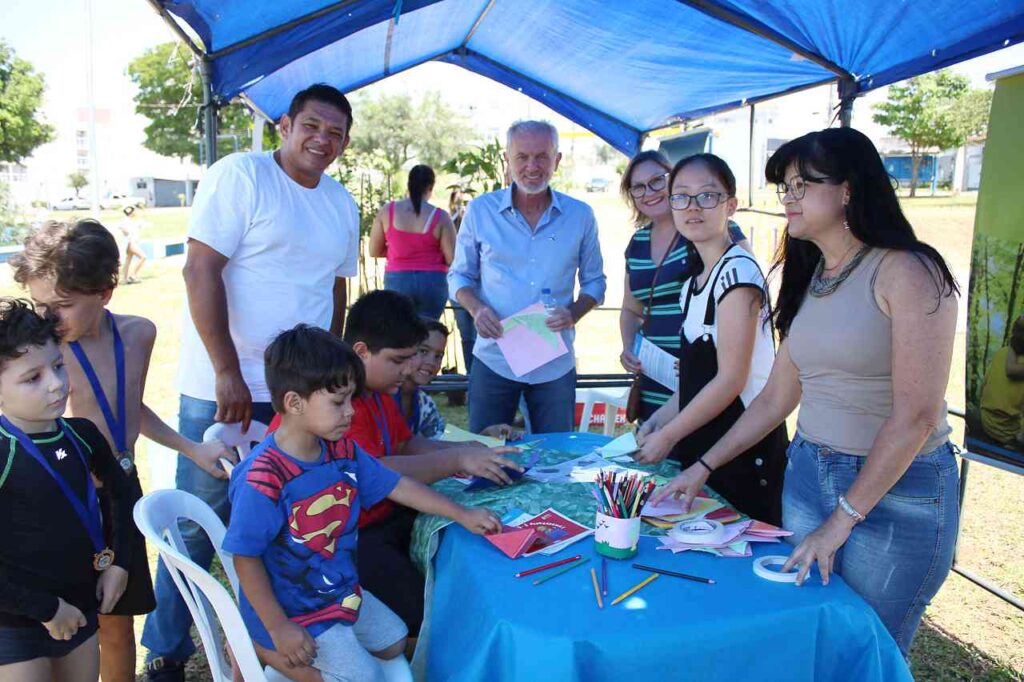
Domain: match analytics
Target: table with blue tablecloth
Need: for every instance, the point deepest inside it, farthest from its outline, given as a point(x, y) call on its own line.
point(482, 623)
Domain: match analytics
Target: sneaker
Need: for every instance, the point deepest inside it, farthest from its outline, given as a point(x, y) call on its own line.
point(162, 669)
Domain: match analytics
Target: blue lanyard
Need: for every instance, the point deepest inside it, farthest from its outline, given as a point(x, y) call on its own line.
point(413, 420)
point(89, 515)
point(116, 426)
point(382, 424)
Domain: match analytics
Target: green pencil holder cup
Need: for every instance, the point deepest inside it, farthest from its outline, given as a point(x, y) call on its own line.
point(616, 538)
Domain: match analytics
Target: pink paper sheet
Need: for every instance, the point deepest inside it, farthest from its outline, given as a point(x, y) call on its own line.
point(524, 348)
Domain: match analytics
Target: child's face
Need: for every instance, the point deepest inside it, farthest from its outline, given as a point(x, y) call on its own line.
point(34, 386)
point(431, 355)
point(328, 414)
point(387, 369)
point(79, 314)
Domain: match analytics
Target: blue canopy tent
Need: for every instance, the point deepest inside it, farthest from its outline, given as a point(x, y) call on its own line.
point(620, 69)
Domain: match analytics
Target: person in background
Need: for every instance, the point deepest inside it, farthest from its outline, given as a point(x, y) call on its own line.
point(418, 408)
point(1002, 392)
point(514, 243)
point(418, 240)
point(726, 348)
point(130, 227)
point(658, 260)
point(458, 202)
point(867, 315)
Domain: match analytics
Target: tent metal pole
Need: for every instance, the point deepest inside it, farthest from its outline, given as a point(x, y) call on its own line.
point(209, 113)
point(847, 93)
point(182, 36)
point(750, 160)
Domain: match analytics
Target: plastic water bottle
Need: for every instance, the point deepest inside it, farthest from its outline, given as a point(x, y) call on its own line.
point(548, 300)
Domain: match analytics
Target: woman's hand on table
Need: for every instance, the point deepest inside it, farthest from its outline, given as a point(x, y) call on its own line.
point(487, 463)
point(820, 546)
point(685, 486)
point(479, 521)
point(654, 444)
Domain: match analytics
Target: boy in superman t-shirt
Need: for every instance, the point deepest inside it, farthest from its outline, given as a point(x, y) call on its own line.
point(296, 502)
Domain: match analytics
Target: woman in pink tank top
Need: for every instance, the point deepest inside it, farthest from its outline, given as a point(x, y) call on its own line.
point(418, 240)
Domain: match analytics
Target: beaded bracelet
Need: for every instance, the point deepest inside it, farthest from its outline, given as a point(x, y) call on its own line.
point(850, 511)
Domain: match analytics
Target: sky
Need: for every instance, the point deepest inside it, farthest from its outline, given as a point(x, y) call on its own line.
point(52, 35)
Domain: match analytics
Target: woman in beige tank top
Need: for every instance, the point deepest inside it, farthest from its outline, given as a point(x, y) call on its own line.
point(866, 314)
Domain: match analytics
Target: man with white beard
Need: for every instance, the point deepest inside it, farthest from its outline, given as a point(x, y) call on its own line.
point(513, 244)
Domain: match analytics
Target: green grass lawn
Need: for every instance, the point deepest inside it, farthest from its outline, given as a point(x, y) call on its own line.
point(968, 634)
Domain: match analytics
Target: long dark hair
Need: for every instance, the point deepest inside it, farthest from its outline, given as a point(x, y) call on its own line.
point(873, 213)
point(627, 179)
point(421, 178)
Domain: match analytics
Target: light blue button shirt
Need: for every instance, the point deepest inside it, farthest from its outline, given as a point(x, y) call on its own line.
point(507, 264)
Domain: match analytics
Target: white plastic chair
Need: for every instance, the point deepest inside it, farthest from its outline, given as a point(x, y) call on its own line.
point(157, 515)
point(613, 398)
point(233, 436)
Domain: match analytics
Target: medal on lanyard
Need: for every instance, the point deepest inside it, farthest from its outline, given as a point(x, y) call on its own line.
point(89, 513)
point(382, 425)
point(117, 426)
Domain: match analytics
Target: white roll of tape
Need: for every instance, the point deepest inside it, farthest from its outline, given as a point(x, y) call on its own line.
point(761, 569)
point(698, 532)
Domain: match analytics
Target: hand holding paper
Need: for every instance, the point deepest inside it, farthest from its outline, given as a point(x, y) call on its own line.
point(527, 342)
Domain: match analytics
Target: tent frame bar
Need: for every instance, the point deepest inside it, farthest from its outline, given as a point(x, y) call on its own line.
point(178, 31)
point(476, 24)
point(746, 24)
point(280, 28)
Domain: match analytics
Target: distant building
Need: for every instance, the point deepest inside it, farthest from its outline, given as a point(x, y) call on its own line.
point(163, 192)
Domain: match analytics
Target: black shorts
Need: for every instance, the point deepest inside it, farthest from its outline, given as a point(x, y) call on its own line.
point(386, 569)
point(138, 597)
point(18, 644)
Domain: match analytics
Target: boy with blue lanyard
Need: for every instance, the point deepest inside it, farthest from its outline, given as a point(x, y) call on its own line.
point(61, 563)
point(72, 270)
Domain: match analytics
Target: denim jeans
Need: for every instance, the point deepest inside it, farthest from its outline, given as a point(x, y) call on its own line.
point(428, 290)
point(166, 632)
point(467, 332)
point(493, 400)
point(900, 555)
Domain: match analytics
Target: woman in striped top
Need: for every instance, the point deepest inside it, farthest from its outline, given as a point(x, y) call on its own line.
point(658, 259)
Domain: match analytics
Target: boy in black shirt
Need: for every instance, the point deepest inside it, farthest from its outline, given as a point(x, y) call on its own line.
point(57, 568)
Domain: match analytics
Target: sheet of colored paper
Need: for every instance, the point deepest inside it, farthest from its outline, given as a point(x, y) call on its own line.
point(527, 343)
point(620, 447)
point(453, 434)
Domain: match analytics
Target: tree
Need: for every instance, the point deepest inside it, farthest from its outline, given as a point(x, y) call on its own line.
point(21, 95)
point(170, 97)
point(935, 111)
point(480, 169)
point(429, 131)
point(77, 181)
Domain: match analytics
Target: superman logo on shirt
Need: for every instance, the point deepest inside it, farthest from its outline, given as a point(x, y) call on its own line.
point(318, 520)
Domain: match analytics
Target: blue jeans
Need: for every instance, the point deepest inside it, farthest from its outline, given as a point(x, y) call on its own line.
point(428, 290)
point(467, 332)
point(899, 556)
point(493, 400)
point(166, 632)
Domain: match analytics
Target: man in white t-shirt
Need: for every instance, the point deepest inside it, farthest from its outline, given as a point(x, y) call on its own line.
point(271, 240)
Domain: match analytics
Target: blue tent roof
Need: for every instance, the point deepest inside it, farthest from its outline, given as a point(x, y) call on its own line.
point(619, 68)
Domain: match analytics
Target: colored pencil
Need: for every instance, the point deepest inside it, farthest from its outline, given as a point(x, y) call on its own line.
point(636, 588)
point(553, 564)
point(560, 571)
point(597, 591)
point(604, 576)
point(674, 574)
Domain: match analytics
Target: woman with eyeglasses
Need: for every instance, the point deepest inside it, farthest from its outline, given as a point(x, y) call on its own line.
point(658, 259)
point(867, 314)
point(726, 350)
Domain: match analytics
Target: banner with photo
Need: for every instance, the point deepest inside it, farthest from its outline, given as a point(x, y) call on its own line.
point(995, 313)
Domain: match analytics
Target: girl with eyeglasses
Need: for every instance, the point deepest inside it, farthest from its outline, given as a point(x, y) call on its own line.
point(867, 314)
point(658, 259)
point(726, 350)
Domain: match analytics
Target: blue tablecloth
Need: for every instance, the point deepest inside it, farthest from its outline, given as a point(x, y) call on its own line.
point(486, 624)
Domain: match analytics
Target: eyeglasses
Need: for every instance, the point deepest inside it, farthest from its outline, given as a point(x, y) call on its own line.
point(655, 184)
point(681, 202)
point(797, 187)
